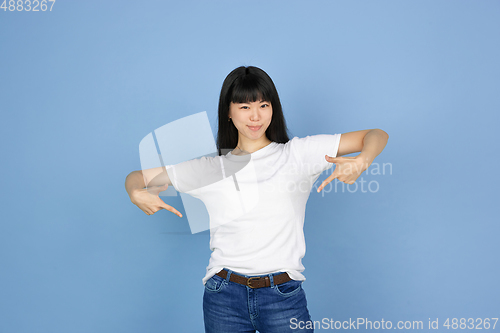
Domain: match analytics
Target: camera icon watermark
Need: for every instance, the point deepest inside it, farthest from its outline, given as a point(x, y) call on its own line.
point(191, 138)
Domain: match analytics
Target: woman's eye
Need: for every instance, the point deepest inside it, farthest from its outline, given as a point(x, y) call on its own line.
point(262, 106)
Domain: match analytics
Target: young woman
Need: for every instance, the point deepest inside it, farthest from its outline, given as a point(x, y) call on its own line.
point(253, 280)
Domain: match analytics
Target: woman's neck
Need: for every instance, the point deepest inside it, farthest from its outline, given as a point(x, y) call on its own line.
point(248, 147)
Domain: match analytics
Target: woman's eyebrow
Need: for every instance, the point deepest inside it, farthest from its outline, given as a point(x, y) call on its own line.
point(252, 102)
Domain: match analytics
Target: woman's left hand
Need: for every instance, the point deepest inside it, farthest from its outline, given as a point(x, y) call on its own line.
point(347, 169)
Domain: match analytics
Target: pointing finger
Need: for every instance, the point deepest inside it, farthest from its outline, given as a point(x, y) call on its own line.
point(327, 181)
point(172, 209)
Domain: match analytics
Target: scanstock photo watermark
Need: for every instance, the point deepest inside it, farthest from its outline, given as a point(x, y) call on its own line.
point(382, 324)
point(361, 185)
point(196, 170)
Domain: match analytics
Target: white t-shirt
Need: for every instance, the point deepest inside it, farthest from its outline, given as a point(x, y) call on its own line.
point(256, 203)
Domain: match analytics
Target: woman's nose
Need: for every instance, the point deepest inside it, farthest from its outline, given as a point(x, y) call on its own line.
point(255, 115)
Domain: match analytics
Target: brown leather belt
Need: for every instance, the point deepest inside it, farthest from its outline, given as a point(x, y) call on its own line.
point(255, 282)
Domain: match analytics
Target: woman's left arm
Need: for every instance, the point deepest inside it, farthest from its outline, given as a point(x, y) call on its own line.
point(369, 143)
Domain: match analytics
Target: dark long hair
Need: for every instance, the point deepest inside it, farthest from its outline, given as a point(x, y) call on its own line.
point(245, 85)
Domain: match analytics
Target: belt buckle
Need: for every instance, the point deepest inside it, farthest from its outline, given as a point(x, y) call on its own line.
point(249, 280)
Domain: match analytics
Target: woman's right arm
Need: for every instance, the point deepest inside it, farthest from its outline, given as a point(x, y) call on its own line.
point(148, 200)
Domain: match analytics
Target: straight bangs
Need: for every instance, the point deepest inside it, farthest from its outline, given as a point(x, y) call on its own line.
point(248, 89)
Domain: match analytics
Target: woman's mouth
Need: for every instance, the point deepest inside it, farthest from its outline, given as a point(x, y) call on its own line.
point(255, 128)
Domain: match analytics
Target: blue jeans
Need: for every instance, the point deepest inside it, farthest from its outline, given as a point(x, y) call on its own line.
point(229, 307)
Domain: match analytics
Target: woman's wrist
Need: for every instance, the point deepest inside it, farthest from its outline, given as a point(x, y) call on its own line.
point(134, 183)
point(365, 159)
point(133, 192)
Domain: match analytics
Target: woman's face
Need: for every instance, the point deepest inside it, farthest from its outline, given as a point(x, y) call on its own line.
point(251, 119)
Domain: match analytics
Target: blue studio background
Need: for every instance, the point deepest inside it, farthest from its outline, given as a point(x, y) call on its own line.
point(81, 85)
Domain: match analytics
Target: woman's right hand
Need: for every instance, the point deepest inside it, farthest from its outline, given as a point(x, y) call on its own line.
point(148, 200)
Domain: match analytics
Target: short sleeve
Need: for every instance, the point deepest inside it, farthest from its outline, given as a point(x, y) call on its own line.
point(310, 152)
point(190, 176)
